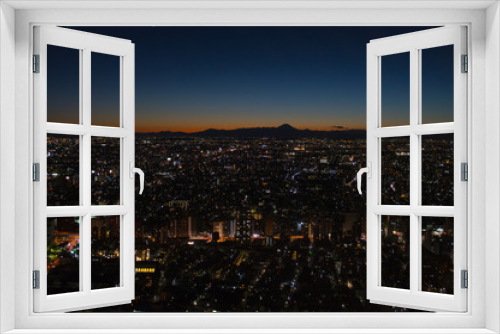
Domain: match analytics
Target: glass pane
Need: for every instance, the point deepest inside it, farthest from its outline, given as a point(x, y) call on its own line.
point(437, 84)
point(63, 257)
point(105, 252)
point(395, 95)
point(63, 85)
point(105, 89)
point(437, 170)
point(395, 171)
point(396, 252)
point(105, 171)
point(63, 170)
point(437, 254)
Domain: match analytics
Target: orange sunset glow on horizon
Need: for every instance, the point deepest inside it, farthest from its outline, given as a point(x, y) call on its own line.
point(192, 129)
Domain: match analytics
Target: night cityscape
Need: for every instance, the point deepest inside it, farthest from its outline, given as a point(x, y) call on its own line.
point(252, 224)
point(242, 212)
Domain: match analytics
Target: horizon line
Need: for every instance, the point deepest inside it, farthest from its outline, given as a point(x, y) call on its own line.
point(335, 129)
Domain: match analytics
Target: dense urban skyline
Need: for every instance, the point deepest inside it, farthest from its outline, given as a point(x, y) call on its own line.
point(251, 224)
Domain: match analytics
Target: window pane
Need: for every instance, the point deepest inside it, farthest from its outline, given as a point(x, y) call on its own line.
point(437, 254)
point(63, 256)
point(63, 170)
point(105, 89)
point(63, 85)
point(105, 252)
point(395, 95)
point(437, 170)
point(395, 171)
point(396, 252)
point(105, 171)
point(437, 84)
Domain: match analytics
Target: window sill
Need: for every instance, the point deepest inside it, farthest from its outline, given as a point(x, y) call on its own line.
point(250, 331)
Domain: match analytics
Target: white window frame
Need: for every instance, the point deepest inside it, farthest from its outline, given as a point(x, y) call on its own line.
point(123, 50)
point(483, 20)
point(414, 44)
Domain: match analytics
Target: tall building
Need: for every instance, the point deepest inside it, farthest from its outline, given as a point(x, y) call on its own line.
point(192, 227)
point(269, 228)
point(244, 227)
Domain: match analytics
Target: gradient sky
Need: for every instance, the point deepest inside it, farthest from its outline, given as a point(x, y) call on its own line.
point(194, 78)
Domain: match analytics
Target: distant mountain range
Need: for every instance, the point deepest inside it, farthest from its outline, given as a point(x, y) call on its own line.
point(284, 131)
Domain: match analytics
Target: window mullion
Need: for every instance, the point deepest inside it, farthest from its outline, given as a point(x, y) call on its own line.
point(86, 174)
point(85, 241)
point(414, 170)
point(85, 253)
point(85, 152)
point(81, 169)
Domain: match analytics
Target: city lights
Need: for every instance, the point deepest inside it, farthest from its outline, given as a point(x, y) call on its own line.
point(247, 226)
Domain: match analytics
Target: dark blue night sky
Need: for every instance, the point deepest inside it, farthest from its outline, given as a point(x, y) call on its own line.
point(194, 78)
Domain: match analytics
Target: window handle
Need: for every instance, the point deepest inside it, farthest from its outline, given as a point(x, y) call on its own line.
point(368, 171)
point(133, 171)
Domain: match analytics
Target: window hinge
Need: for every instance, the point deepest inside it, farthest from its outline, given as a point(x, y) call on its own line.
point(36, 172)
point(464, 172)
point(465, 64)
point(36, 279)
point(36, 63)
point(465, 279)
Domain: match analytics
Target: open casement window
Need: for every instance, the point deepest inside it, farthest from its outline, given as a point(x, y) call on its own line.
point(416, 145)
point(83, 168)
